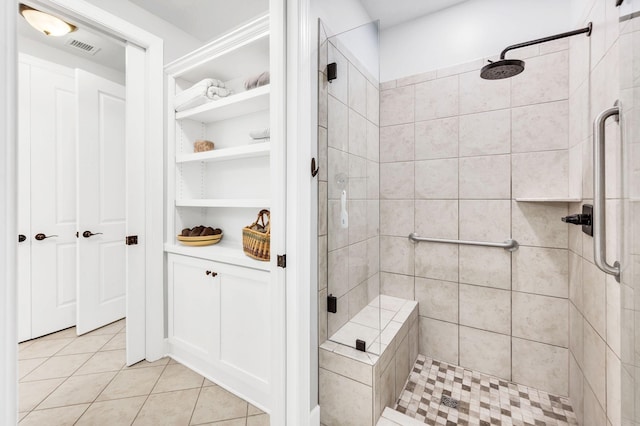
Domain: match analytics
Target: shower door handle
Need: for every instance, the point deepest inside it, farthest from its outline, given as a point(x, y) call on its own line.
point(599, 196)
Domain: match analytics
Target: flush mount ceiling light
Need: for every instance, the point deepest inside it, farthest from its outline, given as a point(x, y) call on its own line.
point(45, 23)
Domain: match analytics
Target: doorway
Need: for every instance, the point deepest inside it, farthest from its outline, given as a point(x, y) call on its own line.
point(144, 195)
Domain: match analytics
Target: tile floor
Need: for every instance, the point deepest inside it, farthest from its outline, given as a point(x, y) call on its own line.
point(69, 380)
point(483, 399)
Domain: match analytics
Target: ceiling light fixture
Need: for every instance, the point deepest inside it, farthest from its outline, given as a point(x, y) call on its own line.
point(45, 23)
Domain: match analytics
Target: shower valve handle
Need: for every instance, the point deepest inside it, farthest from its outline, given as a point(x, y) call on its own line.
point(578, 219)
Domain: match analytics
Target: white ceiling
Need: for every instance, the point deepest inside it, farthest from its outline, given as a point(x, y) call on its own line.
point(111, 53)
point(393, 12)
point(205, 19)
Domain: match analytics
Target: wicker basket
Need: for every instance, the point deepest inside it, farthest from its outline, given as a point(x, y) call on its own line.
point(258, 244)
point(202, 145)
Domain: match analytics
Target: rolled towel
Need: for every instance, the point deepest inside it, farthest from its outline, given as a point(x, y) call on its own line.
point(260, 134)
point(257, 80)
point(190, 98)
point(215, 93)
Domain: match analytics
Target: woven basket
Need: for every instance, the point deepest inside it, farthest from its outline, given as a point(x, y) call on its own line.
point(202, 145)
point(257, 244)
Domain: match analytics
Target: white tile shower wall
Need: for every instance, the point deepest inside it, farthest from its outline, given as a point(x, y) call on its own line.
point(595, 311)
point(348, 151)
point(455, 152)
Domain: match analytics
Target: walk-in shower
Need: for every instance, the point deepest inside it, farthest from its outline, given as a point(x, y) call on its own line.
point(506, 68)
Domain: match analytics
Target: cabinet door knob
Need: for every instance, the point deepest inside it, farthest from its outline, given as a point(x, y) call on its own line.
point(208, 272)
point(214, 274)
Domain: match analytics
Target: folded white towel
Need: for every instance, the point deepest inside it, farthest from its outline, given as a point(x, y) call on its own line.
point(260, 134)
point(189, 98)
point(214, 92)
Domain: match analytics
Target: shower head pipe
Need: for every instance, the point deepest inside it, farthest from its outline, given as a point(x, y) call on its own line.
point(584, 30)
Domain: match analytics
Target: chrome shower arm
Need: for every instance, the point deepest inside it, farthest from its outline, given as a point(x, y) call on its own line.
point(586, 30)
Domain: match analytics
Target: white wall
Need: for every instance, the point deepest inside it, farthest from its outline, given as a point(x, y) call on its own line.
point(58, 56)
point(176, 42)
point(339, 15)
point(471, 30)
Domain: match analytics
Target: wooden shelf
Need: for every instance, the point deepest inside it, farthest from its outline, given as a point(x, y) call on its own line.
point(221, 252)
point(260, 149)
point(235, 105)
point(224, 202)
point(549, 200)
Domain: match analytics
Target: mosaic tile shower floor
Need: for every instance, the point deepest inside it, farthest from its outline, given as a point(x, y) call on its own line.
point(482, 399)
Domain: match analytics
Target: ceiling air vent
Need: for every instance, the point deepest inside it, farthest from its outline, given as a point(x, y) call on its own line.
point(85, 47)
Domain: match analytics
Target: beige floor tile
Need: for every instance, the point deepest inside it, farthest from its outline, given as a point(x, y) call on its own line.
point(26, 366)
point(216, 404)
point(57, 366)
point(85, 344)
point(253, 410)
point(62, 416)
point(144, 363)
point(128, 383)
point(113, 328)
point(178, 377)
point(235, 422)
point(33, 393)
point(22, 415)
point(116, 412)
point(170, 408)
point(259, 420)
point(102, 362)
point(119, 341)
point(62, 334)
point(42, 348)
point(78, 390)
point(208, 382)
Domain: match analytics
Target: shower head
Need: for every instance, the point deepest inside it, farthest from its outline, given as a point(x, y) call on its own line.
point(503, 68)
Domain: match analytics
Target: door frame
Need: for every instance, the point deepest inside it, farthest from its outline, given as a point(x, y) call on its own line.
point(153, 296)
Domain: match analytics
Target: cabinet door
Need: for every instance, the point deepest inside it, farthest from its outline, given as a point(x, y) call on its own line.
point(192, 304)
point(245, 320)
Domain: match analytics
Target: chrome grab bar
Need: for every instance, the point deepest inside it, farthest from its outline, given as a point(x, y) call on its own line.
point(599, 198)
point(509, 245)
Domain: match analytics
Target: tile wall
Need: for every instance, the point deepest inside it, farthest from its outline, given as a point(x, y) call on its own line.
point(456, 152)
point(595, 340)
point(348, 136)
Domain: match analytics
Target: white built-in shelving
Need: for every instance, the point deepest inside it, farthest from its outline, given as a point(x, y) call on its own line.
point(260, 149)
point(221, 252)
point(258, 203)
point(232, 106)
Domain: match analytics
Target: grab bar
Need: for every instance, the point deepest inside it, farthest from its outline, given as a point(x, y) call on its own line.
point(509, 245)
point(599, 200)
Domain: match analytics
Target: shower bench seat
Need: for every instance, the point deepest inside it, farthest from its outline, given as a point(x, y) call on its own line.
point(356, 386)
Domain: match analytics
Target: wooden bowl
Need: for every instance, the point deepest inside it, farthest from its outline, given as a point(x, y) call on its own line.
point(205, 240)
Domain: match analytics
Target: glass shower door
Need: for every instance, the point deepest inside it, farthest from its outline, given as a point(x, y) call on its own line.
point(629, 56)
point(349, 198)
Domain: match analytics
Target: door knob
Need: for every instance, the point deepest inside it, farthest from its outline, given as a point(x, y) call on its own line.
point(42, 236)
point(88, 234)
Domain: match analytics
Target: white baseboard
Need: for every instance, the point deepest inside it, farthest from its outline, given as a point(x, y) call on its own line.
point(314, 416)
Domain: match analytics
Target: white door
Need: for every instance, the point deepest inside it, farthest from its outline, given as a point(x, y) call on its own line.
point(101, 285)
point(53, 200)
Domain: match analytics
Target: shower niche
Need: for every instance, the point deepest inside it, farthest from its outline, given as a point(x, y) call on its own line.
point(368, 341)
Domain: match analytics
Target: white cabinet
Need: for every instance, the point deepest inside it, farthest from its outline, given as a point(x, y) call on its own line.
point(219, 322)
point(229, 324)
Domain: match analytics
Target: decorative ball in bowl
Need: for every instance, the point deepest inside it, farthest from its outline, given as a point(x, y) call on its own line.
point(200, 236)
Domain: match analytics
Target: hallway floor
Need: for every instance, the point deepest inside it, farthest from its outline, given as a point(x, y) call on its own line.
point(478, 399)
point(69, 380)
